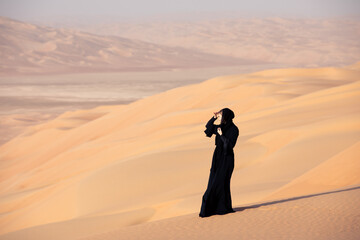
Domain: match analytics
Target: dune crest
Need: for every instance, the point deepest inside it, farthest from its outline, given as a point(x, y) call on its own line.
point(338, 171)
point(149, 160)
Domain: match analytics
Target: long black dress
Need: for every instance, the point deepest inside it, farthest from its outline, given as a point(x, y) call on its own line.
point(217, 197)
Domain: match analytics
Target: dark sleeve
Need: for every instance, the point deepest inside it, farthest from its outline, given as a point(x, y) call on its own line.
point(210, 127)
point(230, 141)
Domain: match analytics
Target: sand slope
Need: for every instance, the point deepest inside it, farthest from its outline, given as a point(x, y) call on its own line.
point(30, 49)
point(327, 215)
point(322, 216)
point(116, 166)
point(290, 41)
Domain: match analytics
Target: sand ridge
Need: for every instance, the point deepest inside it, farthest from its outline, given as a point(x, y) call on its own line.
point(149, 160)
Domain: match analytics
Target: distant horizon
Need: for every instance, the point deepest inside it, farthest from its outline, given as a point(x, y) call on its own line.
point(72, 20)
point(138, 10)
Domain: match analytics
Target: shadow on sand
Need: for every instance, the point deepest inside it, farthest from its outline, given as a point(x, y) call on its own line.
point(237, 209)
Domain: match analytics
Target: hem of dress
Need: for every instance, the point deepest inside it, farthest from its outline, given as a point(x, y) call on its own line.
point(220, 213)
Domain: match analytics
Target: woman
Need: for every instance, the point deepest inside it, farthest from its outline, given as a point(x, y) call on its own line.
point(217, 197)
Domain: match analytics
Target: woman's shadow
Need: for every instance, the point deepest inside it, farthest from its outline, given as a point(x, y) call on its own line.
point(237, 209)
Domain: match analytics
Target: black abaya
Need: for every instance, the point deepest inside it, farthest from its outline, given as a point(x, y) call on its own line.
point(217, 197)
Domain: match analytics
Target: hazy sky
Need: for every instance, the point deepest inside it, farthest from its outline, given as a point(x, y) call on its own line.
point(32, 9)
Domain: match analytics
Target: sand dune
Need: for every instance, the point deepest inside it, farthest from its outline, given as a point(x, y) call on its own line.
point(340, 170)
point(325, 216)
point(30, 49)
point(116, 166)
point(301, 42)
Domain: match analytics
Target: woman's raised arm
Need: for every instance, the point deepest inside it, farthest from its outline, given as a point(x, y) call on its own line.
point(211, 127)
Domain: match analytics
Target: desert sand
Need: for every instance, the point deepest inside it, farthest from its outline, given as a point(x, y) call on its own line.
point(314, 216)
point(28, 49)
point(140, 169)
point(31, 100)
point(300, 42)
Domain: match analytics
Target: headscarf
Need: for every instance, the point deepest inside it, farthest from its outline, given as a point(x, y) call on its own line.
point(227, 115)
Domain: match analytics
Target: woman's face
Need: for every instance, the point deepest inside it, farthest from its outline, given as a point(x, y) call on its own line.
point(220, 116)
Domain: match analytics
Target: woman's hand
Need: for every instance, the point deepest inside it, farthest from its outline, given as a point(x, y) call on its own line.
point(219, 131)
point(216, 114)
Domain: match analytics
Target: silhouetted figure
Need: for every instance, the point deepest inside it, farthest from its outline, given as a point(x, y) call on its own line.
point(217, 197)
